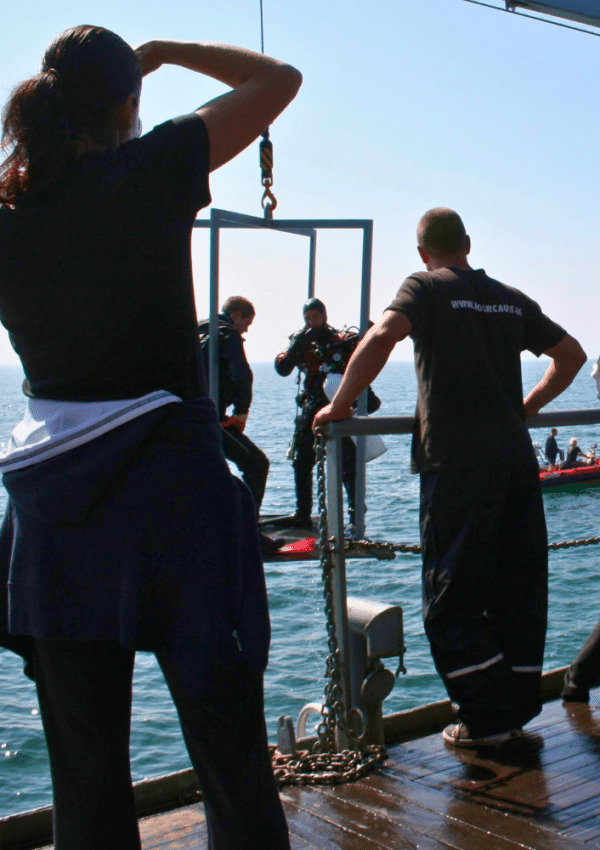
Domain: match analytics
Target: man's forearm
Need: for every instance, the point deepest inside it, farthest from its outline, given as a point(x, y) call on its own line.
point(558, 376)
point(365, 364)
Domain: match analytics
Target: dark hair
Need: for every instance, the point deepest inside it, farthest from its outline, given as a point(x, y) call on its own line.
point(239, 304)
point(315, 304)
point(85, 73)
point(441, 232)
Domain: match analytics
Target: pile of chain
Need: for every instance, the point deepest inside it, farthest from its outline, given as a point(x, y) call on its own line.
point(325, 765)
point(304, 768)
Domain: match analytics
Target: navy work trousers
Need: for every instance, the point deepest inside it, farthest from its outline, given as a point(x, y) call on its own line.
point(485, 587)
point(84, 689)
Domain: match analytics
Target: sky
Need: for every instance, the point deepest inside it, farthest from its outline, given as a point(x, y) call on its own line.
point(404, 106)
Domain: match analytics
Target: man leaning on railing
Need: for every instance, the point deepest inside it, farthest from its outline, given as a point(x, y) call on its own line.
point(483, 532)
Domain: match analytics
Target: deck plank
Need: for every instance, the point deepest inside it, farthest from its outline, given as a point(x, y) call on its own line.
point(427, 795)
point(373, 811)
point(467, 808)
point(175, 830)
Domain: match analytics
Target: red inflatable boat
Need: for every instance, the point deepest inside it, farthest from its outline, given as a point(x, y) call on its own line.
point(553, 476)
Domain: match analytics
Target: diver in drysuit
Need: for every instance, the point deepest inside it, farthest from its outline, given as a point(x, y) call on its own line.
point(317, 350)
point(235, 390)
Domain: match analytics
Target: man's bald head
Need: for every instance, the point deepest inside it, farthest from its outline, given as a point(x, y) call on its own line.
point(441, 233)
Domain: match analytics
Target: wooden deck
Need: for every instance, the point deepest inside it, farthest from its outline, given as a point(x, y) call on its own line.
point(543, 795)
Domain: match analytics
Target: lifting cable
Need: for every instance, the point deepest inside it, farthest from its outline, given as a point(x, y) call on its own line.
point(269, 201)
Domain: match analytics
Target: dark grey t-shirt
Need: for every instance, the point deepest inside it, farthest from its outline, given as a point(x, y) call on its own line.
point(468, 332)
point(96, 280)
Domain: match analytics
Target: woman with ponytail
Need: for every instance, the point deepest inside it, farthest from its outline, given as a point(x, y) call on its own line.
point(124, 529)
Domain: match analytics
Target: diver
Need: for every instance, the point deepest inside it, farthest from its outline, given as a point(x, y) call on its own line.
point(318, 350)
point(235, 391)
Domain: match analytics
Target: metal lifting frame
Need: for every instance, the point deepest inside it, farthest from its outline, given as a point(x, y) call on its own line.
point(223, 219)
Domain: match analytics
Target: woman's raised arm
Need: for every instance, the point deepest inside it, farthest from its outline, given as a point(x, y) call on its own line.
point(261, 88)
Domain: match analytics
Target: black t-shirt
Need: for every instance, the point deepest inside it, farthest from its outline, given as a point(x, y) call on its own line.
point(551, 449)
point(96, 281)
point(468, 332)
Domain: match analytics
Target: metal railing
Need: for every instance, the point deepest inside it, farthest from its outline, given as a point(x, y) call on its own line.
point(362, 426)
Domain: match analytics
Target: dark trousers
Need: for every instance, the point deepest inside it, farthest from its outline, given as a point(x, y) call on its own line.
point(84, 690)
point(249, 459)
point(485, 569)
point(585, 669)
point(304, 461)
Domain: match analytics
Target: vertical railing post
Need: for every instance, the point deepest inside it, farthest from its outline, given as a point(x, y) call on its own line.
point(312, 264)
point(338, 571)
point(365, 312)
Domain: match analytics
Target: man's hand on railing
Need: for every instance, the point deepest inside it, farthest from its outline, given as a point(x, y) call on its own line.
point(332, 413)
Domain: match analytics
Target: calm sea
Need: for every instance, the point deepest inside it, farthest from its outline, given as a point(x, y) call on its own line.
point(295, 674)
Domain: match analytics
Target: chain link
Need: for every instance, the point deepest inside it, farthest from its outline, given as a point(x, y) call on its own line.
point(569, 544)
point(304, 768)
point(325, 766)
point(377, 546)
point(333, 711)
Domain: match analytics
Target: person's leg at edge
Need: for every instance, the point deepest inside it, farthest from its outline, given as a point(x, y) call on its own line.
point(84, 690)
point(584, 670)
point(349, 474)
point(222, 718)
point(304, 461)
point(250, 460)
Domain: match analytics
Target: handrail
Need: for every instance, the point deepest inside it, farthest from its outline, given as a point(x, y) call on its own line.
point(404, 424)
point(366, 425)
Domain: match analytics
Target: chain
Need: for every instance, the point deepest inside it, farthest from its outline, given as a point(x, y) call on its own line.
point(382, 548)
point(306, 768)
point(376, 546)
point(325, 766)
point(333, 711)
point(569, 544)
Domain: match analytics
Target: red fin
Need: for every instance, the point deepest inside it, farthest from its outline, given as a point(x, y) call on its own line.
point(305, 545)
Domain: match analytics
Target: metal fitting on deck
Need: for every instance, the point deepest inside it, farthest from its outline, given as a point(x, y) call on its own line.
point(376, 632)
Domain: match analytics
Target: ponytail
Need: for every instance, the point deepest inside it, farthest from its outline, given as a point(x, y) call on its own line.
point(36, 134)
point(85, 73)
